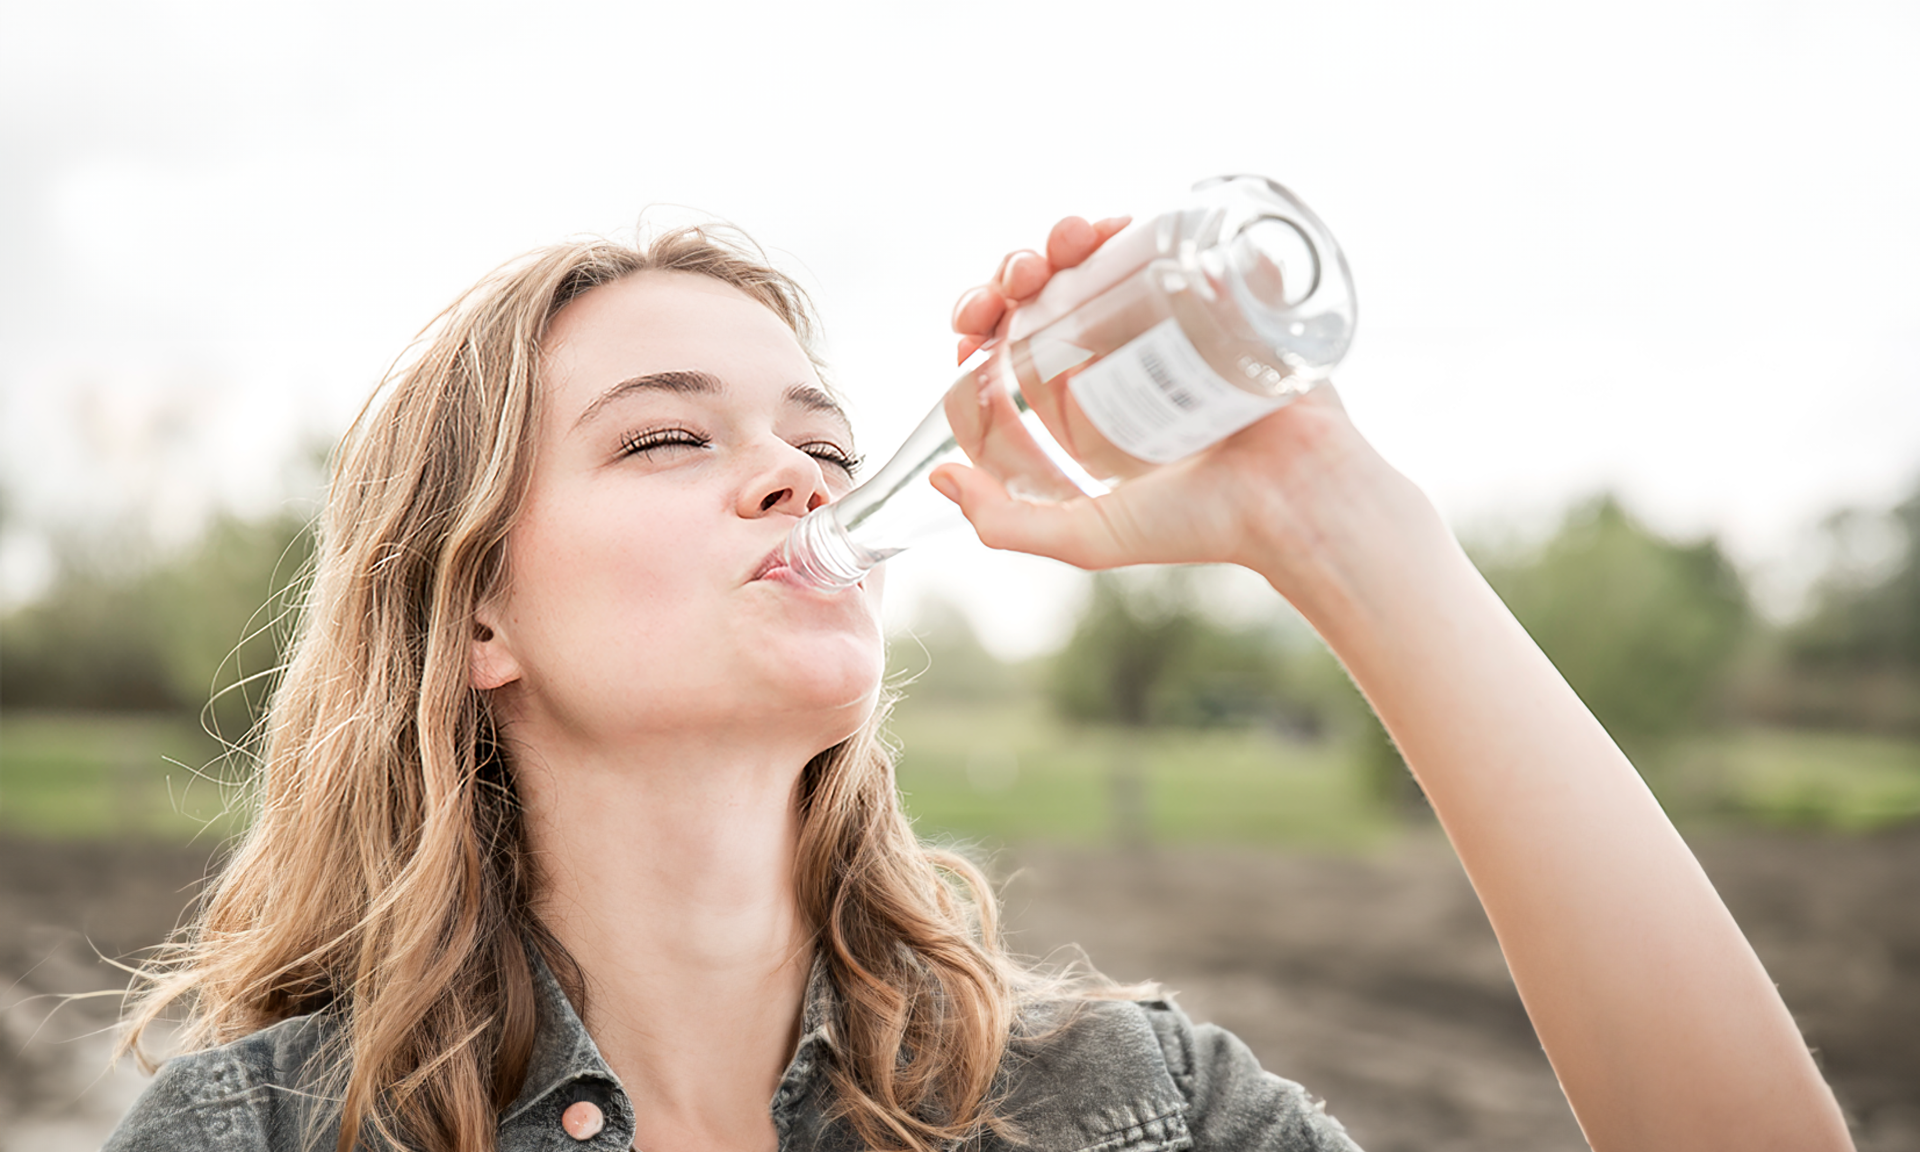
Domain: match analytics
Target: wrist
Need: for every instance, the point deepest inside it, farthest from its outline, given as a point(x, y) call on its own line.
point(1361, 543)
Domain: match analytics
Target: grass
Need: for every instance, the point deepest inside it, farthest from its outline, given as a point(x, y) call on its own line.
point(78, 775)
point(1007, 772)
point(1840, 781)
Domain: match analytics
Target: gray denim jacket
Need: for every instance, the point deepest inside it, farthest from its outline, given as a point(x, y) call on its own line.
point(1121, 1076)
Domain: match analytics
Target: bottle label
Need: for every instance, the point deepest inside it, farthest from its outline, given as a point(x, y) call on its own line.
point(1156, 399)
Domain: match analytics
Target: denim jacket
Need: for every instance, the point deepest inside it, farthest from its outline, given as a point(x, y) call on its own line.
point(1119, 1076)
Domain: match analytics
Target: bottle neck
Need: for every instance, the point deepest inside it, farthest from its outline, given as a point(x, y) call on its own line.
point(820, 551)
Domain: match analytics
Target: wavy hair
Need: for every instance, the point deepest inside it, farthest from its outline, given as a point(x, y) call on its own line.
point(385, 878)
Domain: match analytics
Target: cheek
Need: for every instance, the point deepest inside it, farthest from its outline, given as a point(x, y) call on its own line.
point(595, 587)
point(653, 608)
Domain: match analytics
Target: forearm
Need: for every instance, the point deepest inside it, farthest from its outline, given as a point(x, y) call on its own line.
point(1661, 1023)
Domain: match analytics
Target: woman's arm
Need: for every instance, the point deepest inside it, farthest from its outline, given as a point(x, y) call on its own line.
point(1662, 1025)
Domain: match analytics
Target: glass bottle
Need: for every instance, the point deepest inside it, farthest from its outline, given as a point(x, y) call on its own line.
point(1174, 334)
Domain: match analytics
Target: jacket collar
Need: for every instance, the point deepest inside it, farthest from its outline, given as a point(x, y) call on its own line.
point(562, 1050)
point(1089, 1075)
point(567, 1063)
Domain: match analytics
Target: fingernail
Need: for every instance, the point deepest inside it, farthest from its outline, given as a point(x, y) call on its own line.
point(1115, 222)
point(1014, 261)
point(966, 298)
point(943, 483)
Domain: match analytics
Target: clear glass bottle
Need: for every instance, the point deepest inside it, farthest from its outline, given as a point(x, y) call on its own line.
point(1179, 331)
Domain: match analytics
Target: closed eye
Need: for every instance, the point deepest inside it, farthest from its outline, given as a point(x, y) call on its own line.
point(827, 452)
point(634, 443)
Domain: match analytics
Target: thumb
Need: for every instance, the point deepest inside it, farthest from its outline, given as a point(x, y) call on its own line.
point(1075, 530)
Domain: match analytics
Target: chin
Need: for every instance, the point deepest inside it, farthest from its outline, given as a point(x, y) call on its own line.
point(852, 688)
point(846, 658)
point(824, 725)
point(843, 681)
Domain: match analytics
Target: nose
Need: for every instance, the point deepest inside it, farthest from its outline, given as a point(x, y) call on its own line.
point(784, 480)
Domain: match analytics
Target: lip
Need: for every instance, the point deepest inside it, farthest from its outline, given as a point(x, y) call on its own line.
point(774, 562)
point(773, 566)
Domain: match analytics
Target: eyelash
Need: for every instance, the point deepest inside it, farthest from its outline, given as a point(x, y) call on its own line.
point(634, 443)
point(824, 451)
point(828, 452)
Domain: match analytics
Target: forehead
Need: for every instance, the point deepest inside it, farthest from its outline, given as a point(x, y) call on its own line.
point(664, 322)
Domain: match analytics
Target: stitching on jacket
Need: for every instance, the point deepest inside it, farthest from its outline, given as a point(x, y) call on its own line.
point(1139, 1137)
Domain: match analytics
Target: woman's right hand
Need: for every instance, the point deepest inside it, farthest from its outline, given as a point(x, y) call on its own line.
point(1299, 497)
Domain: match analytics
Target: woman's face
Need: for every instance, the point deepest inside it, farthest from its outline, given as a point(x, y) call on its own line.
point(682, 432)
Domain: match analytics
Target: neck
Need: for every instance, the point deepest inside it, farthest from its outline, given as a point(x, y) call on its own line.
point(668, 875)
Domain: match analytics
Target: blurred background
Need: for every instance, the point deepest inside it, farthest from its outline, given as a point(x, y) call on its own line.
point(1638, 305)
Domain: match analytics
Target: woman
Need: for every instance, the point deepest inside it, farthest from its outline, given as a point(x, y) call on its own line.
point(574, 829)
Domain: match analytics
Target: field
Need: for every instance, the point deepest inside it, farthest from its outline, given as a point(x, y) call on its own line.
point(1007, 773)
point(84, 775)
point(1010, 774)
point(1245, 870)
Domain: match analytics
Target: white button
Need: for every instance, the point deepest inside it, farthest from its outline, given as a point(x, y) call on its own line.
point(583, 1120)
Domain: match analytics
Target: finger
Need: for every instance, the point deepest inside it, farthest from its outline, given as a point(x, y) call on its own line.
point(1022, 274)
point(979, 311)
point(1073, 239)
point(1073, 531)
point(968, 346)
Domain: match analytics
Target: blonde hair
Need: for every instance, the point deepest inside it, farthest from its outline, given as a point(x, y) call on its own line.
point(385, 878)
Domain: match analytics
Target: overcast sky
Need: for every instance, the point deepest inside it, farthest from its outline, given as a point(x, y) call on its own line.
point(1667, 248)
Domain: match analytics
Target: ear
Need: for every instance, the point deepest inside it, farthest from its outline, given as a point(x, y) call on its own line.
point(490, 660)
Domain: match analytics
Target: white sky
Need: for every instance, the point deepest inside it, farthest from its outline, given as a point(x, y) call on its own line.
point(1668, 247)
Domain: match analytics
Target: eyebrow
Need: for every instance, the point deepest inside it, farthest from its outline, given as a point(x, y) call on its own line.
point(681, 382)
point(687, 382)
point(815, 399)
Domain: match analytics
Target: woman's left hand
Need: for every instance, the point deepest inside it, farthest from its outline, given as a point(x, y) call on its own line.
point(980, 314)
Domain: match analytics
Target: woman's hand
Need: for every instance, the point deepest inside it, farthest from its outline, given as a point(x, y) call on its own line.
point(1299, 496)
point(979, 314)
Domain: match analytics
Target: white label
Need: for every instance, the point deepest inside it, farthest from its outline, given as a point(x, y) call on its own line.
point(1156, 399)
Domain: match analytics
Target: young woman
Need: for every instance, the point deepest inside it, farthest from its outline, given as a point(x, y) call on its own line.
point(573, 829)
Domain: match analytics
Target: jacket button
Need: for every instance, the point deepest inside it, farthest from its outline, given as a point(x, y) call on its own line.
point(583, 1120)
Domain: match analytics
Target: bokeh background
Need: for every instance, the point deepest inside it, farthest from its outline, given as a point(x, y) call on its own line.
point(1637, 293)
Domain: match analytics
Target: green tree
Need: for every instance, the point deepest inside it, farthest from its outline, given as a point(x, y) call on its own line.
point(203, 625)
point(1643, 627)
point(1146, 653)
point(1130, 637)
point(1854, 659)
point(1872, 621)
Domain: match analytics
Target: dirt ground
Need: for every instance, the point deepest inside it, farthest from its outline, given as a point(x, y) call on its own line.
point(1373, 980)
